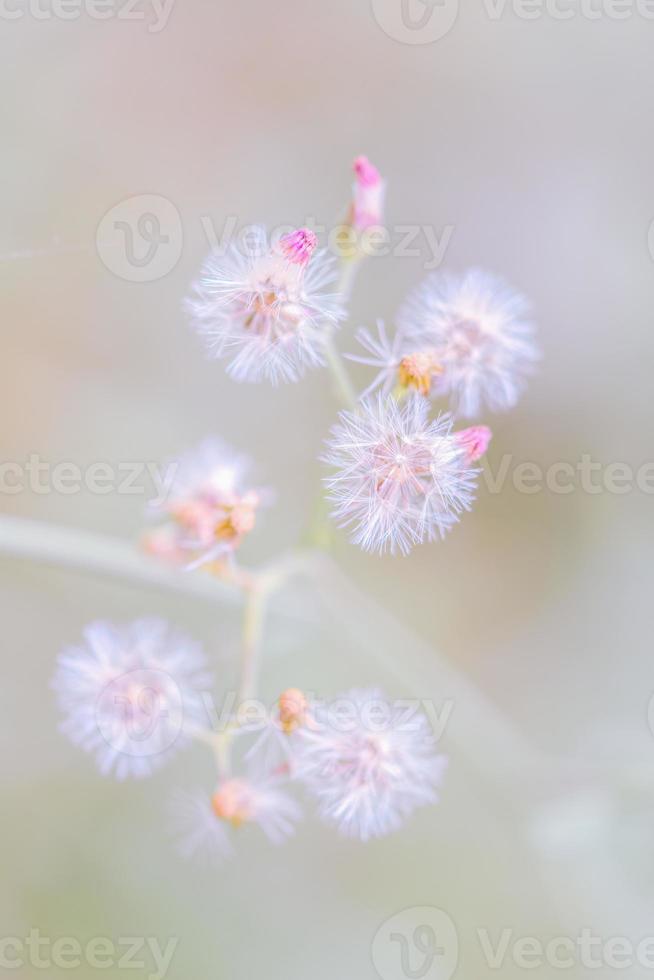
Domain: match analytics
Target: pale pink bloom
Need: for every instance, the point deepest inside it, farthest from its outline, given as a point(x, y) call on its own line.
point(367, 208)
point(475, 441)
point(247, 800)
point(368, 763)
point(206, 826)
point(131, 694)
point(266, 306)
point(480, 332)
point(400, 479)
point(211, 505)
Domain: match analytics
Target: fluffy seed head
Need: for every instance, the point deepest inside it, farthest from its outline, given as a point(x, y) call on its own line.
point(400, 479)
point(481, 335)
point(266, 307)
point(130, 694)
point(368, 766)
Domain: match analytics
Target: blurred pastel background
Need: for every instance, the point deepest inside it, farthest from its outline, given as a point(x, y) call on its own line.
point(532, 141)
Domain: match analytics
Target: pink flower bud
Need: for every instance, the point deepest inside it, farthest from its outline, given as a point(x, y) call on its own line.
point(366, 172)
point(475, 441)
point(368, 197)
point(298, 246)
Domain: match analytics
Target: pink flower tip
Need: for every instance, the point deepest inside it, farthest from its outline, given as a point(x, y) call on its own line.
point(475, 441)
point(298, 246)
point(366, 172)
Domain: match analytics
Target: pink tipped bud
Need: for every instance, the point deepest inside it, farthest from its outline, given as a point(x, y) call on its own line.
point(298, 246)
point(368, 199)
point(475, 441)
point(366, 172)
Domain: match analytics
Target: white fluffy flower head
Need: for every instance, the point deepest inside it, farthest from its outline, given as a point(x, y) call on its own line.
point(130, 694)
point(400, 479)
point(266, 307)
point(369, 763)
point(479, 332)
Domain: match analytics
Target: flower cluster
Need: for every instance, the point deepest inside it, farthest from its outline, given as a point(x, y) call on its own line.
point(401, 474)
point(365, 762)
point(400, 478)
point(133, 695)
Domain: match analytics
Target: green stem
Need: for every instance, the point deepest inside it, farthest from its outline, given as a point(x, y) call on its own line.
point(343, 387)
point(342, 384)
point(255, 607)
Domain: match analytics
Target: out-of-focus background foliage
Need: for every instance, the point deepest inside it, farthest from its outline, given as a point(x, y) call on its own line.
point(533, 140)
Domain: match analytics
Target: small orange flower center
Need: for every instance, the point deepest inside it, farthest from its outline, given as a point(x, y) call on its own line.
point(418, 371)
point(239, 519)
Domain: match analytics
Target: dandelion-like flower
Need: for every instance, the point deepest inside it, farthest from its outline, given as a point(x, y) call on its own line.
point(400, 479)
point(241, 801)
point(479, 331)
point(131, 694)
point(204, 825)
point(266, 306)
point(369, 766)
point(210, 505)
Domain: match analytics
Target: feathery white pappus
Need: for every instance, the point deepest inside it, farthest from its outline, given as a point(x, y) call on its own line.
point(266, 306)
point(400, 478)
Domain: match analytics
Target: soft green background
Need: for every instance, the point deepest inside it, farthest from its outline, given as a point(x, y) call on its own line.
point(534, 140)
